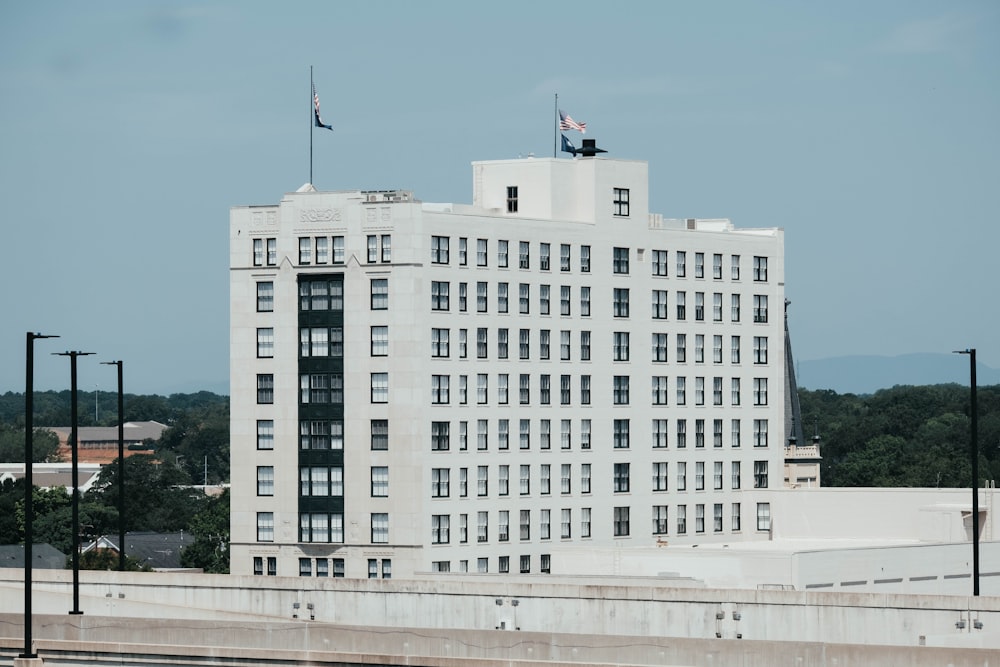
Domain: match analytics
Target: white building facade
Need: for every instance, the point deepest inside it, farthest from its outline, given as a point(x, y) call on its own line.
point(434, 387)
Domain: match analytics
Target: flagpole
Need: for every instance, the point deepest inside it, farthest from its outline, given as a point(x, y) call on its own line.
point(311, 88)
point(555, 130)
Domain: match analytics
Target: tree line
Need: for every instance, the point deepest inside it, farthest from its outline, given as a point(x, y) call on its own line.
point(909, 436)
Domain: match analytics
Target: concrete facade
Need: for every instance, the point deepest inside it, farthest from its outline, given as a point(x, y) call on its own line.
point(477, 385)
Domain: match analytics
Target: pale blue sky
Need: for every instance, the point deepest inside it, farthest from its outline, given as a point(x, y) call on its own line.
point(869, 131)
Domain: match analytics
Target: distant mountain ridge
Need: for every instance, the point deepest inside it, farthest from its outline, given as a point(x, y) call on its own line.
point(866, 374)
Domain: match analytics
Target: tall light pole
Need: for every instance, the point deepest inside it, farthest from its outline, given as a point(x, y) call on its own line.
point(76, 481)
point(29, 514)
point(974, 453)
point(121, 465)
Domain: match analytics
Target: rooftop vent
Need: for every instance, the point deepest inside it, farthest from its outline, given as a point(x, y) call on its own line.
point(589, 148)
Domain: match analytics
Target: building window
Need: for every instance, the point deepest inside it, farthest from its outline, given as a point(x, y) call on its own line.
point(717, 391)
point(734, 474)
point(265, 480)
point(525, 527)
point(717, 475)
point(682, 476)
point(584, 389)
point(386, 248)
point(660, 390)
point(584, 522)
point(659, 304)
point(564, 257)
point(699, 433)
point(681, 390)
point(524, 255)
point(524, 298)
point(265, 343)
point(439, 249)
point(265, 526)
point(439, 295)
point(717, 306)
point(338, 250)
point(482, 343)
point(463, 482)
point(482, 481)
point(258, 252)
point(621, 383)
point(463, 297)
point(503, 389)
point(584, 478)
point(544, 252)
point(545, 434)
point(525, 478)
point(379, 342)
point(503, 442)
point(717, 266)
point(503, 564)
point(734, 433)
point(760, 269)
point(734, 346)
point(659, 520)
point(305, 250)
point(760, 349)
point(503, 343)
point(681, 300)
point(699, 348)
point(699, 476)
point(699, 265)
point(543, 299)
point(681, 433)
point(265, 434)
point(439, 342)
point(512, 199)
point(321, 434)
point(660, 433)
point(481, 297)
point(699, 518)
point(380, 482)
point(760, 308)
point(380, 387)
point(482, 247)
point(565, 481)
point(265, 297)
point(482, 533)
point(681, 519)
point(660, 476)
point(584, 346)
point(380, 434)
point(566, 524)
point(380, 528)
point(321, 481)
point(524, 389)
point(321, 388)
point(502, 260)
point(760, 474)
point(763, 516)
point(717, 433)
point(734, 313)
point(760, 391)
point(440, 528)
point(566, 434)
point(440, 436)
point(305, 567)
point(717, 349)
point(621, 346)
point(620, 202)
point(736, 518)
point(324, 342)
point(482, 435)
point(585, 302)
point(585, 259)
point(620, 260)
point(265, 388)
point(503, 526)
point(735, 271)
point(659, 262)
point(502, 301)
point(372, 249)
point(463, 343)
point(699, 306)
point(621, 477)
point(621, 302)
point(564, 299)
point(544, 524)
point(621, 521)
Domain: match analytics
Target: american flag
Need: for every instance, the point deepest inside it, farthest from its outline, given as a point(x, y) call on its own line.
point(319, 121)
point(567, 123)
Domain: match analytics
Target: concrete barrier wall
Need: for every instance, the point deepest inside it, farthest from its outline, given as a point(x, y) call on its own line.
point(590, 606)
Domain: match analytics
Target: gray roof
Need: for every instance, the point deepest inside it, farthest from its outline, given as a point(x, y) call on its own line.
point(162, 551)
point(133, 432)
point(45, 556)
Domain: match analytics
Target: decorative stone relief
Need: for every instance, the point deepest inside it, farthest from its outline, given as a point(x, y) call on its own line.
point(319, 215)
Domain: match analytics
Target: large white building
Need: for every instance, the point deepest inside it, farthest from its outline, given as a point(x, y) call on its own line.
point(427, 387)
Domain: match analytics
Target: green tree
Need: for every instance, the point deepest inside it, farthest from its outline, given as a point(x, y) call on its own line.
point(108, 559)
point(44, 445)
point(157, 497)
point(210, 527)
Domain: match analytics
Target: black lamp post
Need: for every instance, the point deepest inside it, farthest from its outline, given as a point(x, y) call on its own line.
point(76, 481)
point(121, 466)
point(974, 453)
point(29, 514)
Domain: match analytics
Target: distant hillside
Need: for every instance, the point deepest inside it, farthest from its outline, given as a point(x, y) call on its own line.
point(866, 374)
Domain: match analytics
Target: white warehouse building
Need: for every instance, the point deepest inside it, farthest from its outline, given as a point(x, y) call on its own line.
point(423, 387)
